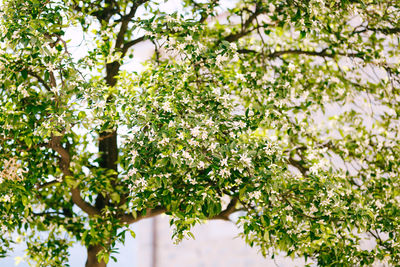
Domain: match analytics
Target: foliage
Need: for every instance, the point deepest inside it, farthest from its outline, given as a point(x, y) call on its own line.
point(288, 109)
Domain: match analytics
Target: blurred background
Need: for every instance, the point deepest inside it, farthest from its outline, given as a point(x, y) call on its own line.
point(216, 244)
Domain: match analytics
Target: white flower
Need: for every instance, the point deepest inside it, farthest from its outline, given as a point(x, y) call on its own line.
point(185, 100)
point(216, 91)
point(171, 42)
point(181, 46)
point(224, 162)
point(6, 198)
point(219, 59)
point(314, 169)
point(209, 122)
point(224, 173)
point(204, 135)
point(164, 141)
point(100, 104)
point(141, 182)
point(271, 7)
point(132, 171)
point(134, 154)
point(15, 35)
point(245, 159)
point(171, 124)
point(268, 151)
point(168, 18)
point(201, 165)
point(313, 209)
point(195, 131)
point(256, 194)
point(379, 204)
point(186, 155)
point(181, 136)
point(240, 76)
point(50, 67)
point(24, 93)
point(213, 146)
point(193, 142)
point(238, 181)
point(235, 57)
point(267, 77)
point(167, 107)
point(330, 194)
point(188, 38)
point(233, 46)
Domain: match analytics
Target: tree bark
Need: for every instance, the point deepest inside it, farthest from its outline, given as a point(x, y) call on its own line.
point(92, 257)
point(109, 155)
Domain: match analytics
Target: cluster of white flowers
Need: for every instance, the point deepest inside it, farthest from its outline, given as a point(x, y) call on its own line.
point(166, 106)
point(322, 165)
point(255, 195)
point(138, 185)
point(220, 59)
point(224, 172)
point(164, 141)
point(201, 165)
point(245, 159)
point(213, 146)
point(195, 131)
point(12, 170)
point(132, 171)
point(134, 154)
point(6, 198)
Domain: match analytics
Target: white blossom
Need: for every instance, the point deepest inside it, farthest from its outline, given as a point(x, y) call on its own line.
point(224, 162)
point(245, 159)
point(181, 136)
point(132, 171)
point(212, 146)
point(195, 131)
point(167, 106)
point(201, 165)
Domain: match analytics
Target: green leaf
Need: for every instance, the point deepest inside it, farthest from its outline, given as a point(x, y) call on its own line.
point(133, 234)
point(24, 74)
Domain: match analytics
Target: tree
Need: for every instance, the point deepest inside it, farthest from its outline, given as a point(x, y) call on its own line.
point(287, 109)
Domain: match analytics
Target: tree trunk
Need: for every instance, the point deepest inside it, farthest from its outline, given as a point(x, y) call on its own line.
point(109, 155)
point(92, 257)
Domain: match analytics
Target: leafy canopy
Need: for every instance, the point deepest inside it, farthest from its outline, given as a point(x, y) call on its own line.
point(286, 112)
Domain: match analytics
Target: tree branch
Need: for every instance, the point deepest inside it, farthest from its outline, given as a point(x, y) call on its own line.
point(55, 144)
point(35, 75)
point(125, 21)
point(48, 213)
point(236, 36)
point(44, 185)
point(231, 208)
point(322, 53)
point(382, 30)
point(129, 218)
point(386, 30)
point(129, 44)
point(203, 15)
point(297, 164)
